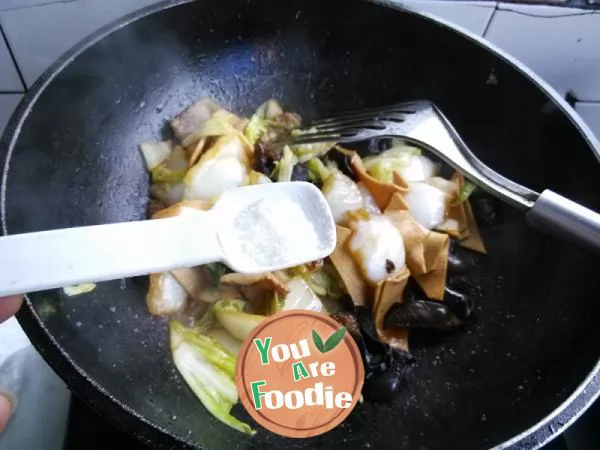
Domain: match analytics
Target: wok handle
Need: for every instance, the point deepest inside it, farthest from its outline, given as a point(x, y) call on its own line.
point(53, 259)
point(564, 218)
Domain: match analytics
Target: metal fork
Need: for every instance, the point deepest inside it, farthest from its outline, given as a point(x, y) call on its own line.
point(422, 123)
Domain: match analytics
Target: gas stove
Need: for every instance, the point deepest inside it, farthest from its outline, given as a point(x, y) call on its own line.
point(87, 430)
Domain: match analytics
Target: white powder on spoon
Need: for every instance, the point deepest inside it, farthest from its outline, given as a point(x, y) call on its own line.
point(274, 232)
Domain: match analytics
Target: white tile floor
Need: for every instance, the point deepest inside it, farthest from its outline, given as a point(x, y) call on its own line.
point(8, 102)
point(58, 26)
point(473, 16)
point(20, 4)
point(561, 44)
point(9, 77)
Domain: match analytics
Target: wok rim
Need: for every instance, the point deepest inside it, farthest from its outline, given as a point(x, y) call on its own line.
point(80, 383)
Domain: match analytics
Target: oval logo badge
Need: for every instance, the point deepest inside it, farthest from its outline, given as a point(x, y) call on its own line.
point(299, 374)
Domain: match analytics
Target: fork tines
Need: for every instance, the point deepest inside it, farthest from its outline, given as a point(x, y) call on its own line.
point(354, 124)
point(396, 109)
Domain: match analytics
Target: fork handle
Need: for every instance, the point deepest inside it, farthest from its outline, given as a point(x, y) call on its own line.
point(564, 218)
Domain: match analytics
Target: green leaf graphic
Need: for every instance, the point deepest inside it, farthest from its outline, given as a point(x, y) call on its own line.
point(334, 340)
point(318, 341)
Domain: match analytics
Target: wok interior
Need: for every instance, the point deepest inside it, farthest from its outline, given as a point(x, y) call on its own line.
point(76, 162)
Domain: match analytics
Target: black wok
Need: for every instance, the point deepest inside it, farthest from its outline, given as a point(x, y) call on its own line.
point(70, 157)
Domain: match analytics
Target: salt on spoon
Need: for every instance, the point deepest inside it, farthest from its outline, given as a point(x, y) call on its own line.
point(252, 229)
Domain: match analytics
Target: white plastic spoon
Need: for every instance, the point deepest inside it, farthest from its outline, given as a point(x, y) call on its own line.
point(252, 229)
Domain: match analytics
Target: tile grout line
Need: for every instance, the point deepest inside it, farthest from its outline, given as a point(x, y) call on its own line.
point(491, 19)
point(13, 58)
point(35, 5)
point(568, 10)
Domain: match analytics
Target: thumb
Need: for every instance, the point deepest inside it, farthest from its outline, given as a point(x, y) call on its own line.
point(7, 407)
point(9, 306)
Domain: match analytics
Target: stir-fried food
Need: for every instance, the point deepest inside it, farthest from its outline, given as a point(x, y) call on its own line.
point(405, 234)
